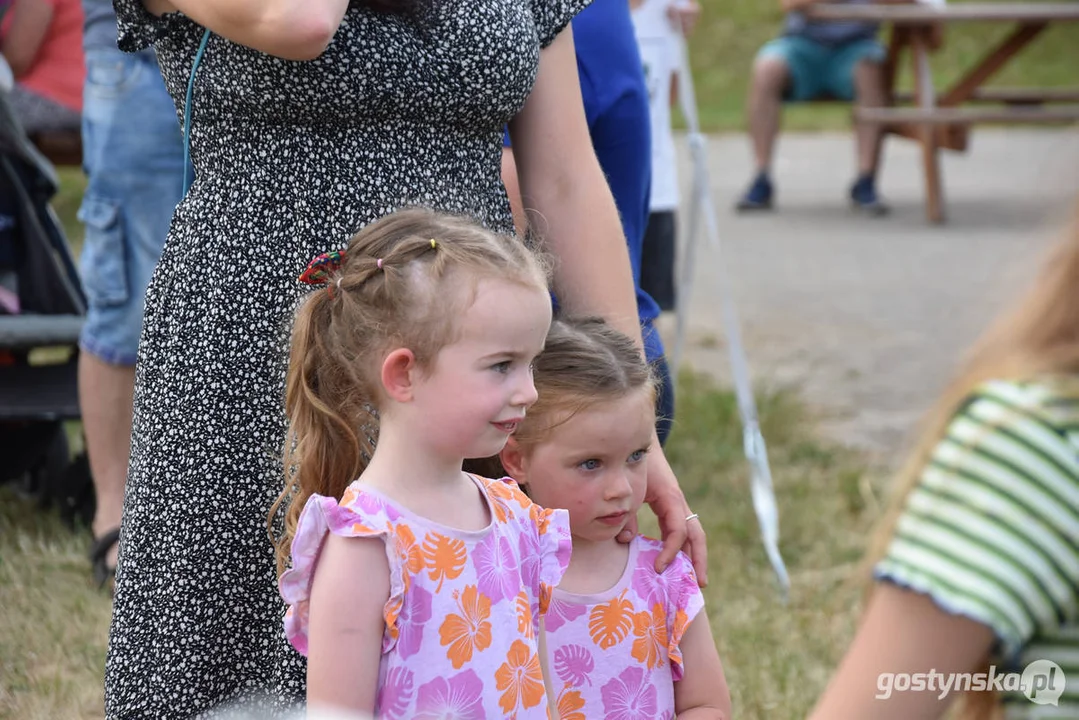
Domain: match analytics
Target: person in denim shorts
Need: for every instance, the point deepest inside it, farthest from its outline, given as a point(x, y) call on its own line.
point(813, 60)
point(133, 156)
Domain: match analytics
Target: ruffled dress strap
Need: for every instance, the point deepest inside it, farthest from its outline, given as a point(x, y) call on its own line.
point(544, 538)
point(137, 28)
point(556, 547)
point(685, 602)
point(359, 514)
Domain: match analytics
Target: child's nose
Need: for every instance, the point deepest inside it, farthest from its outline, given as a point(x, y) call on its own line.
point(526, 393)
point(619, 486)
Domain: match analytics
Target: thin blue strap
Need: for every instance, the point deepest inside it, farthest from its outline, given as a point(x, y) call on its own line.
point(187, 111)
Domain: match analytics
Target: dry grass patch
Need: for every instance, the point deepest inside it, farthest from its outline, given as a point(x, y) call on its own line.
point(778, 656)
point(53, 622)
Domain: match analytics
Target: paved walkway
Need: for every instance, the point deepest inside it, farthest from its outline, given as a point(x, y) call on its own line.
point(868, 317)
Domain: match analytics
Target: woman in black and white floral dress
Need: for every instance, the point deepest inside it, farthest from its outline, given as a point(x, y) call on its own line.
point(313, 118)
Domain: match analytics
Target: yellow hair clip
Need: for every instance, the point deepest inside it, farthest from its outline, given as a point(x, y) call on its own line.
point(433, 243)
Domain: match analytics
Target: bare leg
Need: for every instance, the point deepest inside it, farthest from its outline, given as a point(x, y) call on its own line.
point(770, 78)
point(105, 396)
point(868, 92)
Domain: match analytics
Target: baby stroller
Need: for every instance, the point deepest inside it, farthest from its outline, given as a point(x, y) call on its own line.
point(41, 313)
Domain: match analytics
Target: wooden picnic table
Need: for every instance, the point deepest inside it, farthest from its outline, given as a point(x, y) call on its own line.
point(942, 120)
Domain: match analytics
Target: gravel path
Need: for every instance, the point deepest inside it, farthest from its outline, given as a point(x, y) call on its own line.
point(868, 317)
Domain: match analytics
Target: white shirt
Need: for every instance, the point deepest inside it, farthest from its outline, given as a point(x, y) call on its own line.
point(658, 42)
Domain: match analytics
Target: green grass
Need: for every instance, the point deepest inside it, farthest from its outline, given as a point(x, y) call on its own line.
point(778, 657)
point(54, 624)
point(66, 204)
point(731, 31)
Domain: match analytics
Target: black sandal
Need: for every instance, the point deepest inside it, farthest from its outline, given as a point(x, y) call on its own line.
point(99, 551)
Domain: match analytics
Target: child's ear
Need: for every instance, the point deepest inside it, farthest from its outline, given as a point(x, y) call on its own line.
point(397, 374)
point(513, 460)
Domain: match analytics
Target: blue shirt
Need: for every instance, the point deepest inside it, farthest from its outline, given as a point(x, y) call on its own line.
point(616, 107)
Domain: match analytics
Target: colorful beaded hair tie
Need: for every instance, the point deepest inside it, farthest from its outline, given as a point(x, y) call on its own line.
point(318, 271)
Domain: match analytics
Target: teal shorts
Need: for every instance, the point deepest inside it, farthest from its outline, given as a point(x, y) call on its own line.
point(819, 70)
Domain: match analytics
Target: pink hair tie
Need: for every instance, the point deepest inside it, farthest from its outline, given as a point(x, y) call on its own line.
point(379, 263)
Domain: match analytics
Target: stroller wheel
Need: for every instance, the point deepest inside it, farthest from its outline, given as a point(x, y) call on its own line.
point(79, 500)
point(47, 476)
point(41, 469)
point(64, 482)
point(25, 448)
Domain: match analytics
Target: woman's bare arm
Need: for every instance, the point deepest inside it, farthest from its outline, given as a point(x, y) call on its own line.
point(567, 197)
point(291, 29)
point(569, 203)
point(30, 21)
point(902, 632)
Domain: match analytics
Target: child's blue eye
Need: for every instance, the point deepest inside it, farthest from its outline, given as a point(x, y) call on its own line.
point(637, 456)
point(502, 367)
point(589, 464)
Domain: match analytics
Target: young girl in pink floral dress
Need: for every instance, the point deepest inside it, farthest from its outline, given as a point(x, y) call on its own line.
point(623, 641)
point(416, 590)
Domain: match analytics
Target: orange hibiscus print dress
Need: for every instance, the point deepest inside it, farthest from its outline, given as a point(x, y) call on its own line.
point(464, 607)
point(615, 654)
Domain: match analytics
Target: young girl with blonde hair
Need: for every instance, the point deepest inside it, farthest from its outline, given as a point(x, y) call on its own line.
point(416, 590)
point(976, 564)
point(624, 641)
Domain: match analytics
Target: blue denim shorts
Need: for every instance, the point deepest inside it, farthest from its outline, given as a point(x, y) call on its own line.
point(817, 69)
point(133, 155)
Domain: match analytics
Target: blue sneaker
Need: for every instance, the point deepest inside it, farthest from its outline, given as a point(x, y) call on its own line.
point(864, 198)
point(758, 196)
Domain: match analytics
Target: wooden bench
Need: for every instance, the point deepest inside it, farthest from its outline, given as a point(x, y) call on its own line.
point(943, 120)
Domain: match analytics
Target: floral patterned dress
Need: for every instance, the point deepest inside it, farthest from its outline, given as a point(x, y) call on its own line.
point(463, 613)
point(615, 654)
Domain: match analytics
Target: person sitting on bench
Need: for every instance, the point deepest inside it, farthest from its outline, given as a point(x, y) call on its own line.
point(41, 40)
point(813, 60)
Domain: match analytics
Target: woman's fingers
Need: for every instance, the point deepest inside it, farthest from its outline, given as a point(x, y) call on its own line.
point(665, 498)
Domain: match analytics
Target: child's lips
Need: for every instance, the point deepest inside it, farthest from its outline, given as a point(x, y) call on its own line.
point(614, 518)
point(508, 426)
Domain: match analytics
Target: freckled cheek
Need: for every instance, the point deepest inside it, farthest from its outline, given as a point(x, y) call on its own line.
point(589, 502)
point(562, 495)
point(582, 513)
point(579, 507)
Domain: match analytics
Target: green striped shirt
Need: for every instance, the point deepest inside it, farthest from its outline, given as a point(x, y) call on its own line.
point(991, 529)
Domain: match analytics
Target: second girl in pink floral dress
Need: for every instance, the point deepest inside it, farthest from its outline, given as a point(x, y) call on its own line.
point(624, 642)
